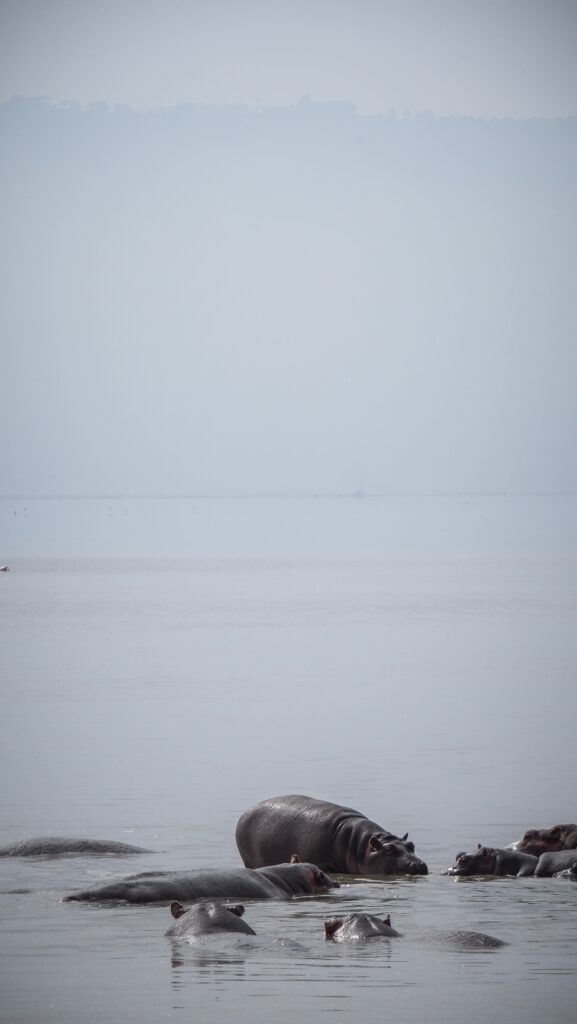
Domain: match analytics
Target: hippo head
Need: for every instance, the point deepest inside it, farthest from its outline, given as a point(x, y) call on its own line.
point(544, 840)
point(389, 855)
point(358, 928)
point(177, 909)
point(206, 918)
point(480, 862)
point(299, 878)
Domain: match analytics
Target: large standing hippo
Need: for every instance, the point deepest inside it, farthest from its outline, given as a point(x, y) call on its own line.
point(56, 846)
point(550, 863)
point(206, 919)
point(281, 881)
point(363, 927)
point(338, 839)
point(548, 840)
point(487, 860)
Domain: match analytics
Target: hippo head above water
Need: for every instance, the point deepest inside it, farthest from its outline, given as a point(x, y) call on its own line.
point(358, 928)
point(389, 855)
point(482, 861)
point(548, 840)
point(207, 918)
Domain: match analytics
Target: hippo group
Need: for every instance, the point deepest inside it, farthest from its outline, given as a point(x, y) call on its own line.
point(486, 860)
point(290, 846)
point(205, 920)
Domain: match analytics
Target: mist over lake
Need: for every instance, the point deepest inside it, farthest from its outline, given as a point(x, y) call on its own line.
point(287, 493)
point(170, 663)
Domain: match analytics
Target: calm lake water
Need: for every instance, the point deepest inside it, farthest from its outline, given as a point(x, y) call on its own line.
point(166, 664)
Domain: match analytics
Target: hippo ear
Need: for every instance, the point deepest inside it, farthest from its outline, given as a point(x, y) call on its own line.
point(478, 846)
point(375, 844)
point(405, 837)
point(295, 859)
point(387, 920)
point(177, 909)
point(238, 909)
point(332, 926)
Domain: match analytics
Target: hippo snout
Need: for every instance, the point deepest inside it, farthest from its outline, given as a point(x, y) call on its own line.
point(417, 867)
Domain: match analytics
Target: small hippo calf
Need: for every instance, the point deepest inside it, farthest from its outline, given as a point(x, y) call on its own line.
point(548, 840)
point(364, 927)
point(206, 919)
point(550, 864)
point(57, 846)
point(488, 860)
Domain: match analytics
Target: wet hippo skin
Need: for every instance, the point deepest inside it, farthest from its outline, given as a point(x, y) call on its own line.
point(207, 919)
point(56, 846)
point(280, 881)
point(489, 860)
point(338, 839)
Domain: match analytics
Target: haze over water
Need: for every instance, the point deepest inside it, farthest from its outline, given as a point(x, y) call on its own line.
point(412, 657)
point(307, 268)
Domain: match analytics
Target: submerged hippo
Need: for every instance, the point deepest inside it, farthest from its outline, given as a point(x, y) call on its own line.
point(206, 919)
point(364, 927)
point(550, 863)
point(487, 860)
point(548, 840)
point(358, 928)
point(56, 846)
point(338, 839)
point(281, 881)
point(570, 873)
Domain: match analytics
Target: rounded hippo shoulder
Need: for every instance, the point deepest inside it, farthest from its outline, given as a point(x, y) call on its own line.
point(551, 863)
point(339, 839)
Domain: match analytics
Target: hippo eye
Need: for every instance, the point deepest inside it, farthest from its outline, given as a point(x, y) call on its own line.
point(410, 847)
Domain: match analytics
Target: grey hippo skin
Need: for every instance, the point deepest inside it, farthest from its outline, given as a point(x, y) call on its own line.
point(364, 927)
point(548, 840)
point(57, 846)
point(206, 919)
point(486, 860)
point(358, 928)
point(550, 863)
point(338, 839)
point(570, 873)
point(281, 881)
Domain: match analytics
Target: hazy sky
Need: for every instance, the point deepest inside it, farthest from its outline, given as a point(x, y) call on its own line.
point(296, 299)
point(513, 58)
